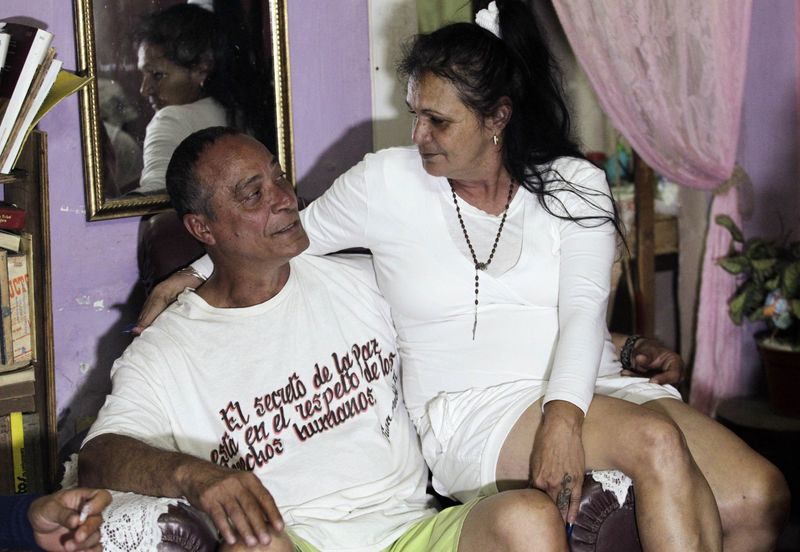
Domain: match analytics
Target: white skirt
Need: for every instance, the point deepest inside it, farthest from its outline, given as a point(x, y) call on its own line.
point(462, 432)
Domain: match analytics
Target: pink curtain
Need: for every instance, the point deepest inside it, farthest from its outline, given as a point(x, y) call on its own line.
point(670, 76)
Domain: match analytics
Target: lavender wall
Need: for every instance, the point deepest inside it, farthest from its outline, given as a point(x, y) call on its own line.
point(331, 90)
point(94, 264)
point(769, 146)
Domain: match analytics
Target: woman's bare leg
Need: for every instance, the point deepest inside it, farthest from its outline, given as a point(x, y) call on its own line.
point(752, 494)
point(512, 521)
point(675, 508)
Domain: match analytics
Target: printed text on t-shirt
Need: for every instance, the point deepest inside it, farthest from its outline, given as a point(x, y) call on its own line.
point(335, 393)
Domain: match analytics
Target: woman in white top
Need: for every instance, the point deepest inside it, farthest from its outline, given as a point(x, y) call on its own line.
point(493, 242)
point(191, 60)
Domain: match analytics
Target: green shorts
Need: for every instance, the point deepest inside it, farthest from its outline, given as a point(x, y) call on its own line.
point(439, 533)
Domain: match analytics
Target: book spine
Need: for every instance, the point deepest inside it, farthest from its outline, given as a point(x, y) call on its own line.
point(5, 40)
point(26, 453)
point(26, 404)
point(34, 57)
point(17, 389)
point(17, 453)
point(9, 241)
point(6, 344)
point(12, 218)
point(19, 300)
point(33, 86)
point(42, 78)
point(6, 463)
point(35, 462)
point(31, 117)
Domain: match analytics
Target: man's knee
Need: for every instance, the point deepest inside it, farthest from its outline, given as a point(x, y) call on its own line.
point(516, 516)
point(279, 543)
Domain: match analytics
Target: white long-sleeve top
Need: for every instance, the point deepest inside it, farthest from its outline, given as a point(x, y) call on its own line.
point(542, 303)
point(166, 130)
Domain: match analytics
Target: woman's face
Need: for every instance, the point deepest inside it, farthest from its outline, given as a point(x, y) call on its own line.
point(166, 83)
point(453, 142)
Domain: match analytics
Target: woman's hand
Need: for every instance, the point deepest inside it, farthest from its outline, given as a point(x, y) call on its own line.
point(650, 358)
point(557, 459)
point(163, 295)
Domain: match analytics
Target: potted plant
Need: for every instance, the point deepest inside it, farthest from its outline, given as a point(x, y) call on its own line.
point(768, 272)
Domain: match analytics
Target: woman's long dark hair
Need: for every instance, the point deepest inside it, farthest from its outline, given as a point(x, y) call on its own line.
point(484, 69)
point(190, 35)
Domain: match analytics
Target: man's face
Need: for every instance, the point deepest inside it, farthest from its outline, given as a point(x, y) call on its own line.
point(255, 209)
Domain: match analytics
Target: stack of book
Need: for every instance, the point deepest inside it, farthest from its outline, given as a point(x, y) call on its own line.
point(16, 339)
point(31, 83)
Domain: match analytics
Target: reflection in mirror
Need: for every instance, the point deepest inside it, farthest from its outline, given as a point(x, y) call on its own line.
point(164, 69)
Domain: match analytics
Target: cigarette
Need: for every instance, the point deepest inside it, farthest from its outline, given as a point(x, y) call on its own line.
point(85, 511)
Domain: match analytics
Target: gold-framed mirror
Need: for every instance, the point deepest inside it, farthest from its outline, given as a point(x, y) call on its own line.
point(115, 116)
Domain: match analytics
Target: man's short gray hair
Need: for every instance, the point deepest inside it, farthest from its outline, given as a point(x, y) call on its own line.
point(187, 192)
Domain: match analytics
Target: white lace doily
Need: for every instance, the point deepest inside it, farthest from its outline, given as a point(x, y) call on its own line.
point(130, 522)
point(70, 478)
point(614, 481)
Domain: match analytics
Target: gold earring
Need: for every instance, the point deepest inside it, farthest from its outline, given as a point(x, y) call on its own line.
point(495, 140)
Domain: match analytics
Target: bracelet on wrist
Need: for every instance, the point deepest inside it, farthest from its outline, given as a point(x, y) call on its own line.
point(627, 351)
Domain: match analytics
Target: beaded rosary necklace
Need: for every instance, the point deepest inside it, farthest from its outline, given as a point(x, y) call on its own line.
point(481, 265)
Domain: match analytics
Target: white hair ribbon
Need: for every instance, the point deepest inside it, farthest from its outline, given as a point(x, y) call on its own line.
point(205, 4)
point(488, 18)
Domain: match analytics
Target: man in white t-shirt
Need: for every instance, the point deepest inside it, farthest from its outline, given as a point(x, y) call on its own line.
point(270, 397)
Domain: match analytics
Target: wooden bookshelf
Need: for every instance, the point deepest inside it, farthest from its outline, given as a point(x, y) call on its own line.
point(27, 187)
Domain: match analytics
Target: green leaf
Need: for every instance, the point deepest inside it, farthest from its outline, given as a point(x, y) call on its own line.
point(791, 280)
point(754, 299)
point(736, 264)
point(736, 307)
point(727, 222)
point(764, 266)
point(757, 315)
point(756, 248)
point(794, 306)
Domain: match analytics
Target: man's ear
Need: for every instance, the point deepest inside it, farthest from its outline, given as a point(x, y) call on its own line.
point(196, 225)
